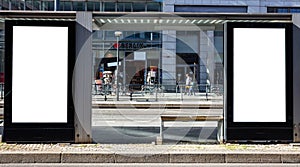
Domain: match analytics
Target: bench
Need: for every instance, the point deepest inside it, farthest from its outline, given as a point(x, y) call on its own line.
point(187, 118)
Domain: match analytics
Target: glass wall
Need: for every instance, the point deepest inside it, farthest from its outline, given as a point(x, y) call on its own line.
point(163, 63)
point(283, 9)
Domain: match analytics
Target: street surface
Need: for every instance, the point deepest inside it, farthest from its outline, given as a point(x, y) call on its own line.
point(125, 125)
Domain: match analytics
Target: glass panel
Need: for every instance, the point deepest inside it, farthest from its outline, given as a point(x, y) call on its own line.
point(138, 7)
point(153, 7)
point(78, 6)
point(67, 6)
point(295, 10)
point(282, 10)
point(15, 5)
point(4, 5)
point(29, 5)
point(109, 7)
point(36, 5)
point(124, 7)
point(188, 69)
point(211, 9)
point(271, 10)
point(48, 5)
point(93, 6)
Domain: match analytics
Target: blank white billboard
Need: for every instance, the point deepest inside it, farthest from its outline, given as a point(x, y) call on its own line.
point(259, 75)
point(39, 74)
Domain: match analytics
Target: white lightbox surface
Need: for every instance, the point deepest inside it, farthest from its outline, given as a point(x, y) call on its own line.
point(39, 74)
point(259, 75)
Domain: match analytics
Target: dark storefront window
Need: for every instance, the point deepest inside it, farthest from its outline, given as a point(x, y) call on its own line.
point(124, 7)
point(93, 6)
point(4, 5)
point(17, 5)
point(210, 9)
point(109, 7)
point(47, 5)
point(79, 6)
point(138, 7)
point(67, 5)
point(153, 7)
point(283, 10)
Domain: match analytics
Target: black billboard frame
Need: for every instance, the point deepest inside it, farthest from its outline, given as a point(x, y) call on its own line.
point(38, 132)
point(252, 132)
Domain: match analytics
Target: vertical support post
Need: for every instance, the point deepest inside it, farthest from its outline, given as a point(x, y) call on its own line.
point(159, 139)
point(156, 93)
point(181, 94)
point(117, 73)
point(296, 80)
point(124, 75)
point(220, 133)
point(82, 78)
point(117, 34)
point(56, 5)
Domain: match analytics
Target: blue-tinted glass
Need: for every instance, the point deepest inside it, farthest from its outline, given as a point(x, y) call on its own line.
point(295, 10)
point(153, 7)
point(124, 7)
point(138, 7)
point(96, 6)
point(271, 10)
point(211, 9)
point(50, 5)
point(78, 6)
point(36, 5)
point(282, 10)
point(93, 6)
point(15, 5)
point(4, 5)
point(28, 5)
point(67, 6)
point(109, 7)
point(90, 6)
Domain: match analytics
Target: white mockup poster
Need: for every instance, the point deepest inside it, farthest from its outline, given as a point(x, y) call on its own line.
point(259, 75)
point(39, 74)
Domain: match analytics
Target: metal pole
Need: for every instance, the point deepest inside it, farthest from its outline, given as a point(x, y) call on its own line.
point(117, 34)
point(181, 95)
point(117, 73)
point(124, 75)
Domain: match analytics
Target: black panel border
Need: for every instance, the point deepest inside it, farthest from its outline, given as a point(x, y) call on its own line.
point(259, 131)
point(38, 132)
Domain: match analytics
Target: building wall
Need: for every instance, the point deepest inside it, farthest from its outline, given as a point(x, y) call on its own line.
point(254, 6)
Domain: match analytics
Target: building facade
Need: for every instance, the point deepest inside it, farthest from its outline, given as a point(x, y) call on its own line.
point(171, 53)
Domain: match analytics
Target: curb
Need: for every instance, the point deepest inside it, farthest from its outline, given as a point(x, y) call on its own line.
point(90, 157)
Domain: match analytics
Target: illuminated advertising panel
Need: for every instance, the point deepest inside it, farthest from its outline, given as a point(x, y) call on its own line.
point(40, 59)
point(39, 63)
point(259, 74)
point(259, 90)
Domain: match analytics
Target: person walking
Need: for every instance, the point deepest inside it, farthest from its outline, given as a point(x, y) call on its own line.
point(187, 84)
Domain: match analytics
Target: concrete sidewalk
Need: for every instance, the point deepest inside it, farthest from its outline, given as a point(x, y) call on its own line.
point(148, 153)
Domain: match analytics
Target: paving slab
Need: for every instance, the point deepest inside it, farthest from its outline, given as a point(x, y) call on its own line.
point(149, 153)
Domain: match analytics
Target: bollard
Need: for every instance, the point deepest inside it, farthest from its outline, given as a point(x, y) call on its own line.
point(156, 93)
point(181, 95)
point(130, 96)
point(2, 90)
point(105, 98)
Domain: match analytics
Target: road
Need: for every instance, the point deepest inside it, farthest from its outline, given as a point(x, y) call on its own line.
point(134, 125)
point(124, 126)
